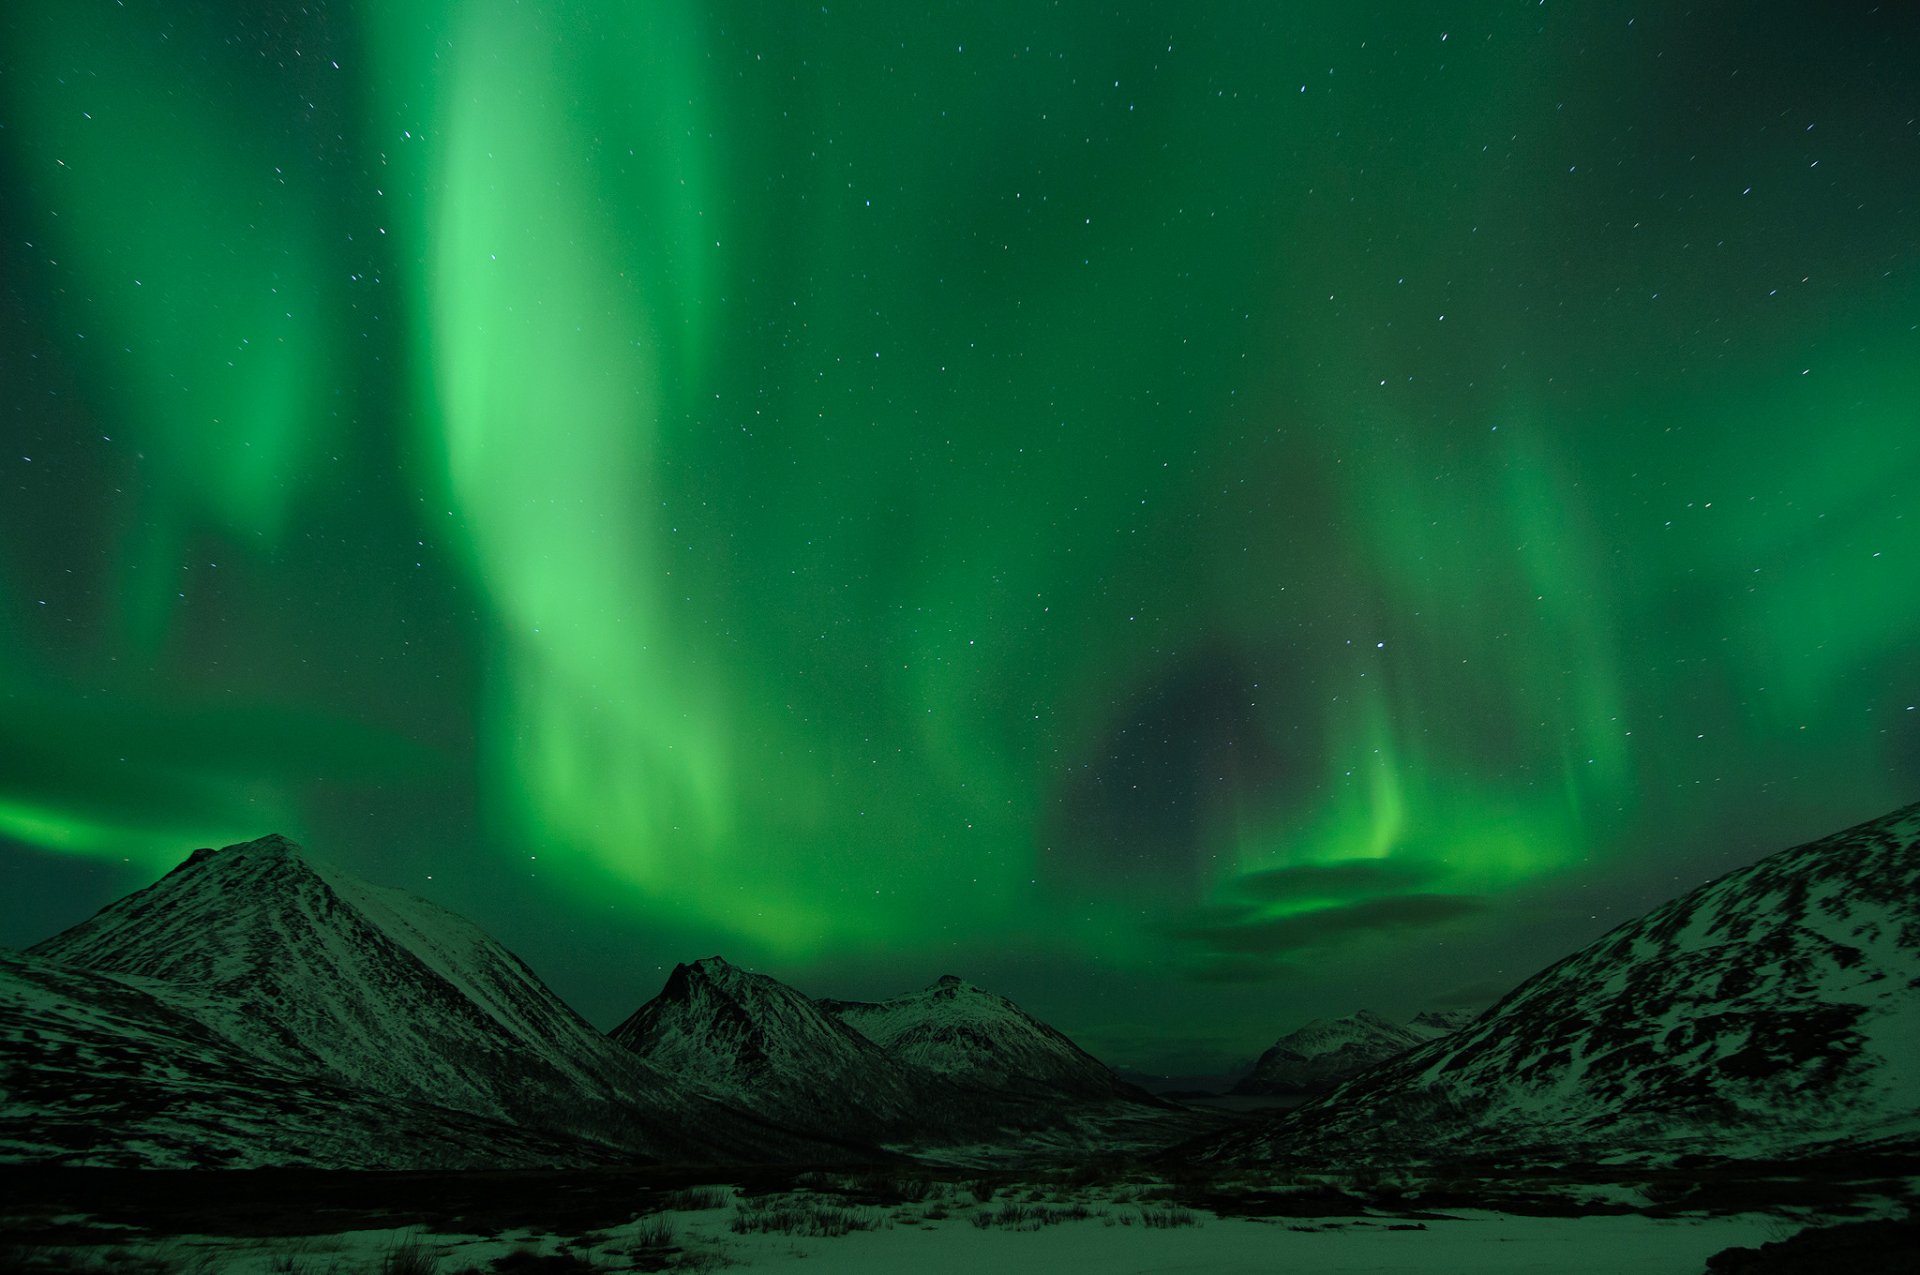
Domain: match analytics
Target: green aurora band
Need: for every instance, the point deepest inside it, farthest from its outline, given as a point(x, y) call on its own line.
point(1209, 506)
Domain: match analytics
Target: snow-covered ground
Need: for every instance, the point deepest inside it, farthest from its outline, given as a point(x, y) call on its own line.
point(1112, 1237)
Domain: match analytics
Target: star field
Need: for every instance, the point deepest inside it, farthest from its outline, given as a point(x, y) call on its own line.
point(1193, 517)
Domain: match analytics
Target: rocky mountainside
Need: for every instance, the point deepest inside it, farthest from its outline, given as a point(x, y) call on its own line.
point(1772, 1012)
point(315, 973)
point(754, 1043)
point(983, 1040)
point(1327, 1052)
point(98, 1071)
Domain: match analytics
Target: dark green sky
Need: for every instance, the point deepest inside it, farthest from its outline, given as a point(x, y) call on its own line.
point(1192, 515)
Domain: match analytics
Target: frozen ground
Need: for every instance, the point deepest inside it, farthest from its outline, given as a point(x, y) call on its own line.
point(1474, 1244)
point(942, 1232)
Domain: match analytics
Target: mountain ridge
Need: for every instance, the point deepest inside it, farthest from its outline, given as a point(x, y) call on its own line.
point(314, 973)
point(980, 1038)
point(1769, 1012)
point(99, 1071)
point(956, 1066)
point(298, 961)
point(753, 1042)
point(256, 1006)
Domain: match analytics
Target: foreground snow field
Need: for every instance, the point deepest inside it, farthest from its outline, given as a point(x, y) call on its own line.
point(905, 1239)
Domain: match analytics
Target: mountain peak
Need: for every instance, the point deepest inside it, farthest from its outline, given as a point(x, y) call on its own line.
point(751, 1041)
point(272, 846)
point(1326, 1051)
point(315, 972)
point(980, 1038)
point(710, 973)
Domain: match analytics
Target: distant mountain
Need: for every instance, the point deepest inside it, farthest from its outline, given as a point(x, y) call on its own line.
point(1327, 1052)
point(981, 1039)
point(1435, 1023)
point(315, 973)
point(1772, 1012)
point(97, 1071)
point(936, 1069)
point(754, 1043)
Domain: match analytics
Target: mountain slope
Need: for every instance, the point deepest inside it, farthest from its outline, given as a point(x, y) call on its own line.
point(1327, 1052)
point(96, 1070)
point(753, 1042)
point(978, 1038)
point(1435, 1023)
point(314, 972)
point(949, 1072)
point(1768, 1012)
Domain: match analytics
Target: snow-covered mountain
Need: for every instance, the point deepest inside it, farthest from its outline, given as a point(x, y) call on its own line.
point(754, 1043)
point(313, 970)
point(1434, 1023)
point(1769, 1012)
point(1327, 1052)
point(983, 1040)
point(315, 973)
point(939, 1069)
point(98, 1071)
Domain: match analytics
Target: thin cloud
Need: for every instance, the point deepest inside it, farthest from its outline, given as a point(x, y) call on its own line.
point(1275, 936)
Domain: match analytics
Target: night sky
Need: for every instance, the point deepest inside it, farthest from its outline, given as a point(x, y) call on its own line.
point(1191, 515)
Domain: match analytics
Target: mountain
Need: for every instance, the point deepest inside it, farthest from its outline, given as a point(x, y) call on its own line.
point(953, 1070)
point(983, 1040)
point(1433, 1023)
point(315, 971)
point(754, 1043)
point(97, 1071)
point(1774, 1011)
point(1328, 1052)
point(311, 972)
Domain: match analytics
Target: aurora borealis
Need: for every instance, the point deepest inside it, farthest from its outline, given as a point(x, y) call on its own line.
point(1192, 515)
